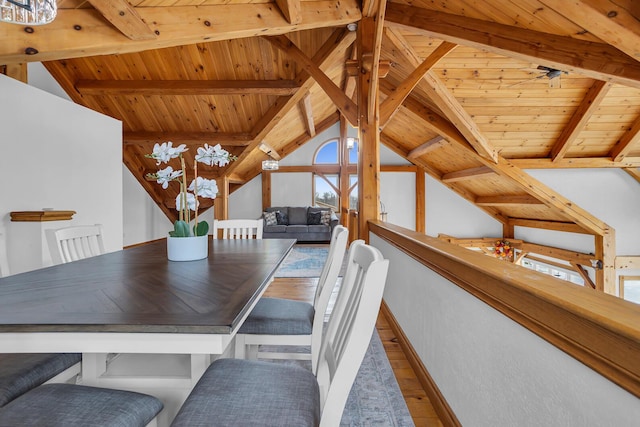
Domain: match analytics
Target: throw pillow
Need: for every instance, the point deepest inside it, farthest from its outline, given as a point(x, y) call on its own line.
point(270, 218)
point(313, 218)
point(282, 218)
point(325, 217)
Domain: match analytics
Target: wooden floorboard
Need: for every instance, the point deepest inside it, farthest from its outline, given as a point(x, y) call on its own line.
point(422, 412)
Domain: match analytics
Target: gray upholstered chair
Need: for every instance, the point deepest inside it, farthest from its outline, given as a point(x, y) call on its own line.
point(283, 322)
point(65, 405)
point(234, 392)
point(21, 372)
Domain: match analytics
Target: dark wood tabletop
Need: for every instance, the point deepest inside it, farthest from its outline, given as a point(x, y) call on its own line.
point(139, 290)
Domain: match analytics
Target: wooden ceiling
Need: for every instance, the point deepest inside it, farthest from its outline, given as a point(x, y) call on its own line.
point(464, 97)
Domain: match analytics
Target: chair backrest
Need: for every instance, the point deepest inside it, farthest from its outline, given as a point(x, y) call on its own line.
point(79, 242)
point(326, 284)
point(350, 328)
point(238, 228)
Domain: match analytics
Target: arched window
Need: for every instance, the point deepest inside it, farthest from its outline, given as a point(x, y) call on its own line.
point(326, 186)
point(326, 181)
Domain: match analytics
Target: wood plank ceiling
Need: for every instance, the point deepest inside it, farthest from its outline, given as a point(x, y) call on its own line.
point(464, 98)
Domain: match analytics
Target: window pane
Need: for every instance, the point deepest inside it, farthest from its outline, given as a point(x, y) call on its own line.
point(324, 194)
point(631, 289)
point(328, 153)
point(353, 154)
point(353, 196)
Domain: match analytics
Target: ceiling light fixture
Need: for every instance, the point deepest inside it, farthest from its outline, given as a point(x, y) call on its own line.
point(28, 12)
point(271, 164)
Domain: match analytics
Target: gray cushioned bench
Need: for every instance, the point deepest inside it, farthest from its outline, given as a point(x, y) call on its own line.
point(21, 372)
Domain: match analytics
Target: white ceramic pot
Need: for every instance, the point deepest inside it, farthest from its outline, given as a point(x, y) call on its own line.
point(187, 248)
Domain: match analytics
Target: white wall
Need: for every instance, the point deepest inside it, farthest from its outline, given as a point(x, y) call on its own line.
point(246, 202)
point(448, 213)
point(143, 219)
point(57, 154)
point(397, 194)
point(512, 377)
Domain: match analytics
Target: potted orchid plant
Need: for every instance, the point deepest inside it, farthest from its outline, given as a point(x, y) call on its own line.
point(187, 199)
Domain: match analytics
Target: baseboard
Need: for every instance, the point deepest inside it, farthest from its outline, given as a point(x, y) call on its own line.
point(438, 401)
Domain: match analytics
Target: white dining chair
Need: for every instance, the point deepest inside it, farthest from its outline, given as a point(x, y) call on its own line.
point(267, 394)
point(284, 322)
point(238, 228)
point(79, 242)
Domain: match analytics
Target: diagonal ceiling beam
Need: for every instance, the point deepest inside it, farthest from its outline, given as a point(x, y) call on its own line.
point(85, 32)
point(596, 60)
point(124, 17)
point(634, 173)
point(394, 100)
point(526, 182)
point(606, 19)
point(186, 87)
point(579, 119)
point(448, 104)
point(307, 114)
point(346, 106)
point(332, 50)
point(628, 140)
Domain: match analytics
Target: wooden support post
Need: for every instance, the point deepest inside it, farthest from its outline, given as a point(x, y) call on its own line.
point(420, 201)
point(343, 156)
point(221, 202)
point(369, 159)
point(266, 190)
point(606, 251)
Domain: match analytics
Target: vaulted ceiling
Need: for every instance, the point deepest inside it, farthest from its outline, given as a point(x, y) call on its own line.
point(464, 97)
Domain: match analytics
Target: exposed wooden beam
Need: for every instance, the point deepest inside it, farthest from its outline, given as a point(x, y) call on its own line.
point(291, 10)
point(558, 253)
point(431, 145)
point(80, 32)
point(353, 68)
point(397, 147)
point(346, 106)
point(270, 151)
point(627, 262)
point(330, 52)
point(507, 200)
point(394, 100)
point(307, 114)
point(186, 87)
point(448, 104)
point(626, 142)
point(576, 162)
point(606, 19)
point(125, 18)
point(189, 138)
point(579, 119)
point(467, 174)
point(16, 71)
point(634, 172)
point(596, 60)
point(605, 250)
point(584, 274)
point(568, 227)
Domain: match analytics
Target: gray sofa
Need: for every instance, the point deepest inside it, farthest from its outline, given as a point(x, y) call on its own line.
point(299, 223)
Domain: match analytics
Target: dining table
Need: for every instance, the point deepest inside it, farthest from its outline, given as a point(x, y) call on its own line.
point(172, 315)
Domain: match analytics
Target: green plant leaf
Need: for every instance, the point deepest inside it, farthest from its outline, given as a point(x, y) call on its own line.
point(180, 229)
point(201, 229)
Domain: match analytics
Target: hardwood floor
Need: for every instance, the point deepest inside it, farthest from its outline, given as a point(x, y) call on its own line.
point(420, 407)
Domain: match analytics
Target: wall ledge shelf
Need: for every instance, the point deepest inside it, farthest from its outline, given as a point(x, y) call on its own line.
point(41, 216)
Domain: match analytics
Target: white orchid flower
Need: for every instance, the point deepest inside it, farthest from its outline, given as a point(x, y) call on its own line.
point(191, 202)
point(211, 156)
point(166, 175)
point(206, 187)
point(165, 152)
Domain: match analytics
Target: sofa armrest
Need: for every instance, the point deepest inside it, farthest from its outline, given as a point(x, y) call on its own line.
point(334, 220)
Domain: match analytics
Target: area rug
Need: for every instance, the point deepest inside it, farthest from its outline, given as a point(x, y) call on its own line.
point(304, 261)
point(375, 399)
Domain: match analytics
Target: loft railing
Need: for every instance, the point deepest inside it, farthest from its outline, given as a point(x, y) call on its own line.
point(599, 330)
